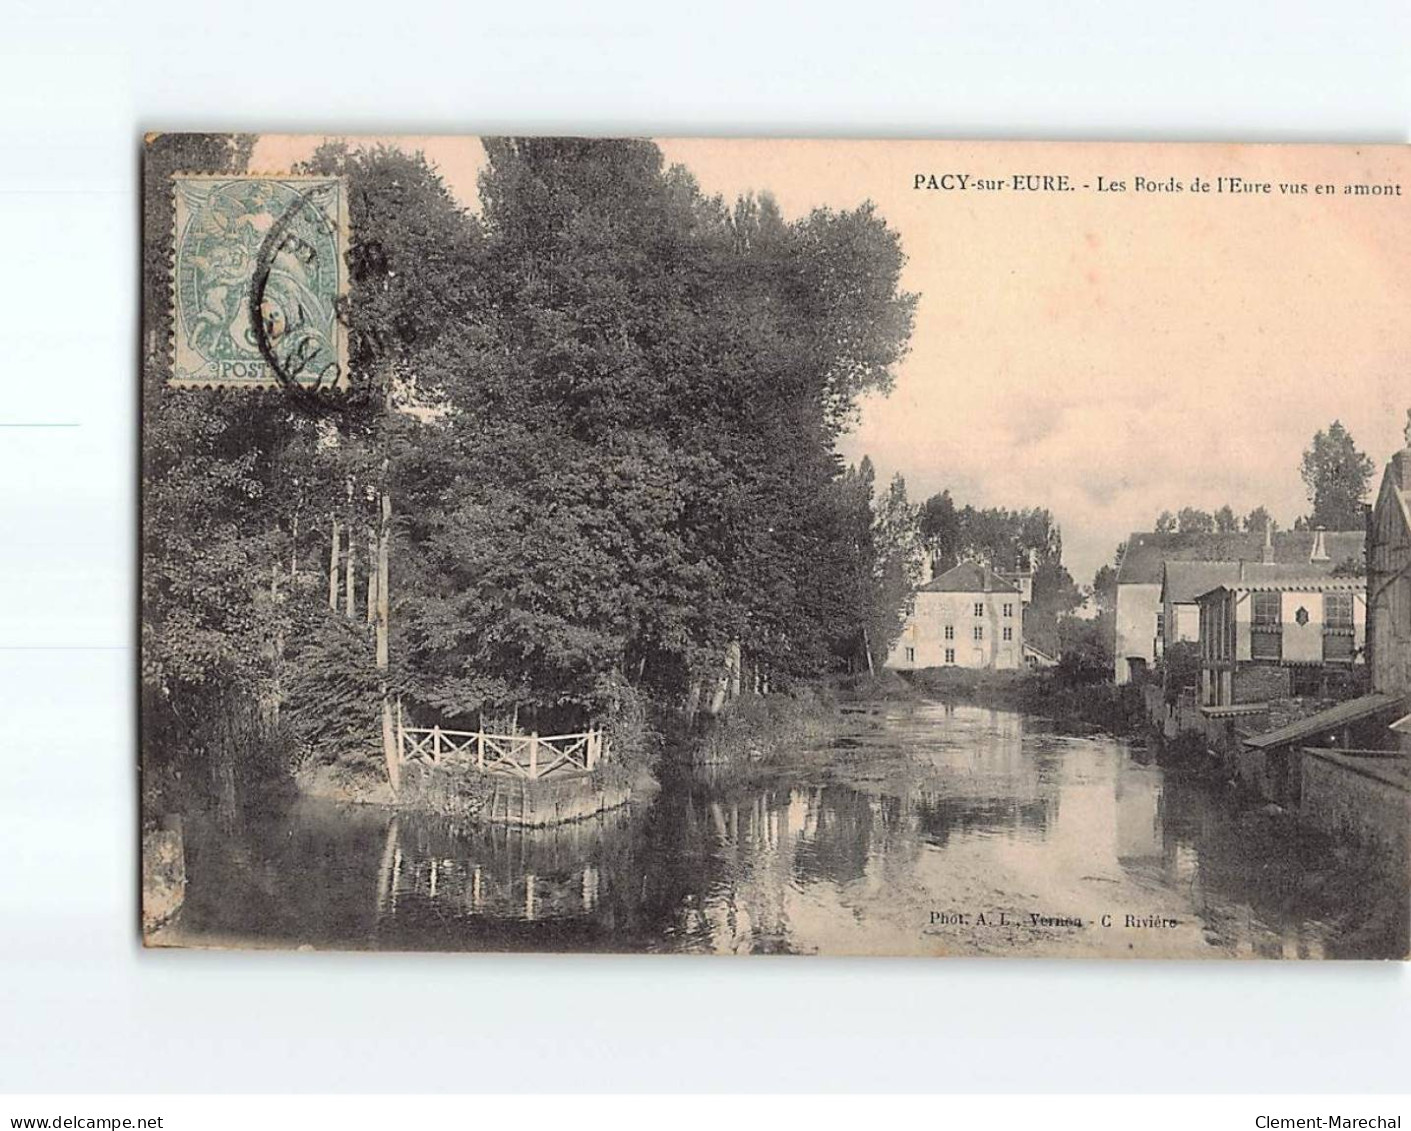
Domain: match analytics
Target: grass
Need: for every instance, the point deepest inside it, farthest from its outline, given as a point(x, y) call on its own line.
point(763, 728)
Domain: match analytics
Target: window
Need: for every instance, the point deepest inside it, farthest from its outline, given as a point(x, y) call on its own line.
point(1008, 609)
point(1266, 636)
point(1008, 633)
point(979, 608)
point(1160, 624)
point(979, 632)
point(1337, 611)
point(1339, 639)
point(911, 655)
point(950, 655)
point(950, 632)
point(1265, 609)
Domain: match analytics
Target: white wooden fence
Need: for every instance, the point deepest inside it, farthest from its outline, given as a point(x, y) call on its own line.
point(529, 756)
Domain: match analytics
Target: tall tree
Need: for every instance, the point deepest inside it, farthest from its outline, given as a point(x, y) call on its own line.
point(1258, 520)
point(896, 571)
point(941, 531)
point(1337, 477)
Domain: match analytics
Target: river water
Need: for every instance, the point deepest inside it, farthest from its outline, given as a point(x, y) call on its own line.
point(928, 829)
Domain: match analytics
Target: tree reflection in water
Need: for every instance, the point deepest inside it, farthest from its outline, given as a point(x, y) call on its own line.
point(970, 809)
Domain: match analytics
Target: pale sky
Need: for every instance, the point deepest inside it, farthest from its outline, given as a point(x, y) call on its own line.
point(1105, 355)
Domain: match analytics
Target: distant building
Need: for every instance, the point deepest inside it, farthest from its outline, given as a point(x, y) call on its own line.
point(968, 617)
point(1022, 580)
point(1267, 637)
point(1140, 611)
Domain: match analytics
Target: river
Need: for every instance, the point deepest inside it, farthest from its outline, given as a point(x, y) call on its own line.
point(929, 829)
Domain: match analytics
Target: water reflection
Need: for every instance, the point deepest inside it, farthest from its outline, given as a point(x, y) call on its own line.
point(938, 812)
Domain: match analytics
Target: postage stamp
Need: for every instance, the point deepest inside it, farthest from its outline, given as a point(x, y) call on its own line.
point(260, 265)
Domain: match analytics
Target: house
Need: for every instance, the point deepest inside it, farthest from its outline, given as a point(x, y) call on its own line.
point(968, 617)
point(1182, 583)
point(1267, 636)
point(1141, 631)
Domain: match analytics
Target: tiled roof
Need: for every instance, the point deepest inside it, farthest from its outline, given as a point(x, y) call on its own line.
point(1147, 553)
point(968, 577)
point(1300, 584)
point(1259, 578)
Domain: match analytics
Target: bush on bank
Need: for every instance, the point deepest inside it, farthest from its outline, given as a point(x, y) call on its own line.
point(1119, 710)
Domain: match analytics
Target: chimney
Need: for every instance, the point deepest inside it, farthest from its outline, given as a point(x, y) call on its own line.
point(1267, 556)
point(1319, 552)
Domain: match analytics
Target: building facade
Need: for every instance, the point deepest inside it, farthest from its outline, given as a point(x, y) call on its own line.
point(1141, 629)
point(1265, 640)
point(968, 617)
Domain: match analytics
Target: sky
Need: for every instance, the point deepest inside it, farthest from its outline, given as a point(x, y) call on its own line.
point(1107, 355)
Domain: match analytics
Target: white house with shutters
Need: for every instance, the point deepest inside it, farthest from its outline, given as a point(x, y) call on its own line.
point(968, 617)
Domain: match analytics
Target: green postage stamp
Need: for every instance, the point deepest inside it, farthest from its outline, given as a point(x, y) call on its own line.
point(259, 269)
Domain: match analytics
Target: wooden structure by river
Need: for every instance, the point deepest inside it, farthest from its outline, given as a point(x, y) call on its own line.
point(528, 757)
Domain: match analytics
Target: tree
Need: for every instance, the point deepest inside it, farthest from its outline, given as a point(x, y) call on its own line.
point(941, 531)
point(896, 570)
point(1337, 477)
point(1085, 649)
point(1258, 520)
point(222, 478)
point(638, 462)
point(1104, 588)
point(1165, 523)
point(1226, 522)
point(1190, 520)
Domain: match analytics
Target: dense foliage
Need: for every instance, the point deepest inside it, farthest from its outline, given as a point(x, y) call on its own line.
point(1337, 477)
point(605, 412)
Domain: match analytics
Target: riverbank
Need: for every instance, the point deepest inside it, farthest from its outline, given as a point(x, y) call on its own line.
point(1112, 709)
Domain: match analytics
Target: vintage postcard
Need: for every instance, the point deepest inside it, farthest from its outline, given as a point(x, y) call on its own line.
point(769, 546)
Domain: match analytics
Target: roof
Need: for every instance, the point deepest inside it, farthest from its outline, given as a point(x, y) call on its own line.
point(1146, 553)
point(1350, 711)
point(1273, 583)
point(1395, 490)
point(1182, 582)
point(968, 577)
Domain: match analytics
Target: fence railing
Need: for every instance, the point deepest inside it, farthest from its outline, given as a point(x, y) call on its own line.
point(530, 756)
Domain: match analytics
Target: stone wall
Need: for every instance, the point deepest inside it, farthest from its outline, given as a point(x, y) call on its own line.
point(1368, 799)
point(462, 791)
point(1258, 683)
point(552, 801)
